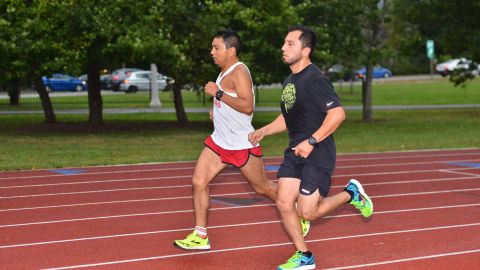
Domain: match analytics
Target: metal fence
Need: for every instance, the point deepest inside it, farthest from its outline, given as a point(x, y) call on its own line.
point(28, 99)
point(67, 92)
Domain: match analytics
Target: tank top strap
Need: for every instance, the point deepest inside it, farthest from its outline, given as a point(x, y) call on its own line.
point(230, 69)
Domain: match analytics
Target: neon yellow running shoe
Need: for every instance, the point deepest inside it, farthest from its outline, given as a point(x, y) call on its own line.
point(193, 242)
point(299, 261)
point(360, 199)
point(305, 226)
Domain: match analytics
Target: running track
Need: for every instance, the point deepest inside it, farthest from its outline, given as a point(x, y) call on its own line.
point(427, 216)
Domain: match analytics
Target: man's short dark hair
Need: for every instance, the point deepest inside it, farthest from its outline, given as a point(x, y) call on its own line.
point(307, 37)
point(231, 39)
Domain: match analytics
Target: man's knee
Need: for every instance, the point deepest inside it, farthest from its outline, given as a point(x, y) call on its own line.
point(199, 183)
point(262, 189)
point(307, 214)
point(285, 205)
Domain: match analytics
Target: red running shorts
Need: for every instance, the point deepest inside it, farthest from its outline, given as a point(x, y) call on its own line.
point(237, 158)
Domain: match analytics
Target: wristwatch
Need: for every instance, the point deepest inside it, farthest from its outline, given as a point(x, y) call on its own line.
point(312, 141)
point(219, 94)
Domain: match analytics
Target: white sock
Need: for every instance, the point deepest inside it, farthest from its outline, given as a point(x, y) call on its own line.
point(201, 231)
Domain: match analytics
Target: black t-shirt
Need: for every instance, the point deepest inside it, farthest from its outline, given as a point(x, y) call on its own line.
point(306, 98)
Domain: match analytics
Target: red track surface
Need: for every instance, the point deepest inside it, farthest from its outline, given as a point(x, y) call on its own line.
point(427, 216)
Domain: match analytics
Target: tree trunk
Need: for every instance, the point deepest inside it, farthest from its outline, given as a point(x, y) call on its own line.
point(178, 101)
point(95, 103)
point(14, 92)
point(367, 94)
point(45, 99)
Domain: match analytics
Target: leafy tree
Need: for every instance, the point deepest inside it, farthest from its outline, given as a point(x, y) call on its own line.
point(40, 47)
point(337, 29)
point(263, 27)
point(453, 25)
point(98, 36)
point(374, 32)
point(180, 42)
point(349, 33)
point(10, 63)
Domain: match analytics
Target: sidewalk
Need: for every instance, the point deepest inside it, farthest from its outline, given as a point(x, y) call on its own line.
point(257, 109)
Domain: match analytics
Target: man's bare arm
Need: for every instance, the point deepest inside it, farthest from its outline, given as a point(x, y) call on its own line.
point(242, 84)
point(278, 125)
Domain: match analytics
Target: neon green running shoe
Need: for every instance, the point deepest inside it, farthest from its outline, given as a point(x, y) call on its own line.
point(305, 226)
point(193, 242)
point(360, 199)
point(299, 261)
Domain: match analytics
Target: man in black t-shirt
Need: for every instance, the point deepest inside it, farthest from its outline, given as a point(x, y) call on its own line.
point(311, 112)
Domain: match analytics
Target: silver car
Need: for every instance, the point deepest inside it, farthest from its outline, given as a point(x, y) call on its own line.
point(449, 66)
point(140, 81)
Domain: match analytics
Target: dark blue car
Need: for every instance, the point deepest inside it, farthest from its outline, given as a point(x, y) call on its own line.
point(378, 72)
point(63, 82)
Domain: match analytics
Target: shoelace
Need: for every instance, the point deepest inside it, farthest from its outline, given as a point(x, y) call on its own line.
point(296, 257)
point(359, 204)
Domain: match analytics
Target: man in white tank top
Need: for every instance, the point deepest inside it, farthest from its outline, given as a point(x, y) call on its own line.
point(228, 145)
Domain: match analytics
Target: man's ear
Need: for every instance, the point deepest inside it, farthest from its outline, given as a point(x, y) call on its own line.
point(232, 51)
point(306, 51)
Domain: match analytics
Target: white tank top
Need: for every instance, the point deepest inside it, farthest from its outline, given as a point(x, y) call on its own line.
point(231, 128)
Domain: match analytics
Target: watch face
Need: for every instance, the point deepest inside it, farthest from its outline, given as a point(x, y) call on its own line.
point(312, 141)
point(219, 94)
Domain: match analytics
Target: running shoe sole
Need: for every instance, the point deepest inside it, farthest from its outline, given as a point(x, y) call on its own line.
point(362, 191)
point(206, 247)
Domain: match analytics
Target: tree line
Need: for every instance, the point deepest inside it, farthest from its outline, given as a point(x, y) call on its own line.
point(39, 37)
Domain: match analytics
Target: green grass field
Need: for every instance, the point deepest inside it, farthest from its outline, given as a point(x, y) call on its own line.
point(436, 91)
point(27, 143)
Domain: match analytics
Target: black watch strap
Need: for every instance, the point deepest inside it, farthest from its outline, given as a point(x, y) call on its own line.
point(219, 94)
point(312, 141)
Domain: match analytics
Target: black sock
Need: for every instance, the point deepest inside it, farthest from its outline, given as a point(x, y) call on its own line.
point(351, 194)
point(307, 253)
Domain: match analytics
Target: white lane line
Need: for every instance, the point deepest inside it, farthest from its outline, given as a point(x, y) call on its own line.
point(161, 213)
point(413, 181)
point(340, 157)
point(163, 187)
point(188, 176)
point(398, 172)
point(269, 246)
point(107, 181)
point(407, 259)
point(425, 193)
point(462, 173)
point(95, 173)
point(443, 162)
point(232, 225)
point(266, 163)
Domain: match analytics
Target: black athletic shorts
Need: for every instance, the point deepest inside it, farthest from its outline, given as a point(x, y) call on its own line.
point(312, 177)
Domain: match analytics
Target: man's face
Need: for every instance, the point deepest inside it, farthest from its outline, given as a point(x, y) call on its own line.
point(219, 51)
point(292, 48)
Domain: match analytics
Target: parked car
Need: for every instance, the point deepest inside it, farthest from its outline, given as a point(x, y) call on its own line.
point(105, 81)
point(449, 66)
point(337, 72)
point(83, 78)
point(63, 82)
point(119, 75)
point(140, 81)
point(378, 72)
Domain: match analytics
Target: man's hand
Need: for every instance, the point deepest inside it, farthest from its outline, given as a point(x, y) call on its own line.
point(211, 88)
point(256, 136)
point(303, 149)
point(210, 114)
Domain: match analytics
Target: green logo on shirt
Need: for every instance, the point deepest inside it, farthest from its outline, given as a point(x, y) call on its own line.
point(288, 96)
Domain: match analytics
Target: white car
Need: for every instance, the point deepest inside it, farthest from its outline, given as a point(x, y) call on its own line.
point(140, 81)
point(447, 67)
